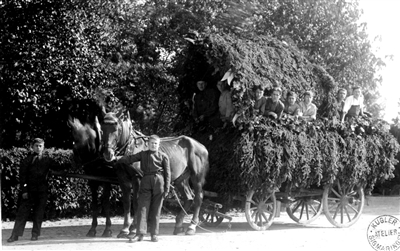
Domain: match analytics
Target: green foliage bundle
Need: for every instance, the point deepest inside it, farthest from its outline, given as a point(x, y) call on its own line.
point(67, 196)
point(267, 153)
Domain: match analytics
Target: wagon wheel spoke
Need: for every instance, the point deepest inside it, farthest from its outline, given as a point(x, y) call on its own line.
point(313, 208)
point(265, 217)
point(355, 210)
point(341, 214)
point(347, 213)
point(307, 213)
point(334, 199)
point(252, 202)
point(266, 199)
point(332, 205)
point(269, 211)
point(336, 211)
point(352, 193)
point(350, 190)
point(297, 205)
point(260, 217)
point(301, 211)
point(336, 193)
point(339, 188)
point(254, 213)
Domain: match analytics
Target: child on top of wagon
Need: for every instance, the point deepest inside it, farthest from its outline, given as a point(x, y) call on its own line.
point(292, 109)
point(308, 111)
point(273, 106)
point(354, 104)
point(225, 102)
point(340, 99)
point(260, 100)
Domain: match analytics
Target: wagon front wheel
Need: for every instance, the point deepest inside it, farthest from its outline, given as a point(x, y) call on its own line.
point(343, 204)
point(210, 218)
point(260, 209)
point(305, 210)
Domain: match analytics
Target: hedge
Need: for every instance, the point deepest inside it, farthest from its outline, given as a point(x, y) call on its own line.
point(68, 197)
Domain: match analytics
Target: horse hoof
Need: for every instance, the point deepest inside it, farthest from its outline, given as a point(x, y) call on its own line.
point(178, 230)
point(122, 235)
point(190, 231)
point(107, 233)
point(91, 233)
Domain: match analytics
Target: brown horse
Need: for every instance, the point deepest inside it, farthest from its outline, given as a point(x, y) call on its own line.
point(188, 161)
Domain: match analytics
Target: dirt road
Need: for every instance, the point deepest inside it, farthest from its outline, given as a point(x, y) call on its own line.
point(284, 234)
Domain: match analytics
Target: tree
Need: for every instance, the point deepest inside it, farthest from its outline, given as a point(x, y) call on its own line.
point(45, 60)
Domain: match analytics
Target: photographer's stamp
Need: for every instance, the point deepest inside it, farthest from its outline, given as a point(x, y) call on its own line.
point(383, 233)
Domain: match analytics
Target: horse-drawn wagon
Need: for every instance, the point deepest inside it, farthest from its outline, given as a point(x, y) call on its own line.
point(309, 168)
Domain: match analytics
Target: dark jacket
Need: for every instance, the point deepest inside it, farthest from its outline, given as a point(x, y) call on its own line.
point(206, 103)
point(151, 163)
point(33, 173)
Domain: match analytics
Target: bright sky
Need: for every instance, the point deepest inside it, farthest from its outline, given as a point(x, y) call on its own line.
point(382, 18)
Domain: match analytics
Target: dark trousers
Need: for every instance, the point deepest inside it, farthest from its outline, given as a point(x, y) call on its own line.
point(150, 203)
point(37, 202)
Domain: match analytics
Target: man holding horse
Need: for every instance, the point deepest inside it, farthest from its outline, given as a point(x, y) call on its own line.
point(154, 187)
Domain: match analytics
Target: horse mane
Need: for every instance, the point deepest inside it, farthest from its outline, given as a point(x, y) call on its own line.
point(85, 131)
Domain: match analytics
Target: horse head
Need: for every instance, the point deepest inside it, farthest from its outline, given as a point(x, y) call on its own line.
point(116, 128)
point(86, 139)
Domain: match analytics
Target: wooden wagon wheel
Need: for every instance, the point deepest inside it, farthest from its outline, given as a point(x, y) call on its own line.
point(305, 210)
point(343, 204)
point(260, 209)
point(210, 219)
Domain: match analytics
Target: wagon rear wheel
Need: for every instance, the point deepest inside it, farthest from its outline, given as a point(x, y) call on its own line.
point(260, 209)
point(343, 204)
point(305, 210)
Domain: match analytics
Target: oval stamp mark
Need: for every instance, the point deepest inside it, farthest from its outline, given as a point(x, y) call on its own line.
point(383, 233)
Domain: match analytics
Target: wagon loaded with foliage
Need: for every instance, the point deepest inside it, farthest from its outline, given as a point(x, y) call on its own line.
point(311, 167)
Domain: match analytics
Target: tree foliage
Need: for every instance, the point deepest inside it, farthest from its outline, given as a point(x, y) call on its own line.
point(327, 32)
point(58, 52)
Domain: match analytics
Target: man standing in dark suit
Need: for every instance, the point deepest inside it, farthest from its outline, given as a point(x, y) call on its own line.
point(33, 184)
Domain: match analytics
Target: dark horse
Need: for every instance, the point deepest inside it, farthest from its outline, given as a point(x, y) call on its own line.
point(188, 161)
point(86, 149)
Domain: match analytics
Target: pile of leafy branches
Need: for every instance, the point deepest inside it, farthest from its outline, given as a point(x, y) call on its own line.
point(263, 153)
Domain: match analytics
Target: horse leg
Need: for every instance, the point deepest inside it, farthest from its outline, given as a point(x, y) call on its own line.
point(135, 194)
point(198, 199)
point(93, 188)
point(126, 202)
point(185, 191)
point(106, 205)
